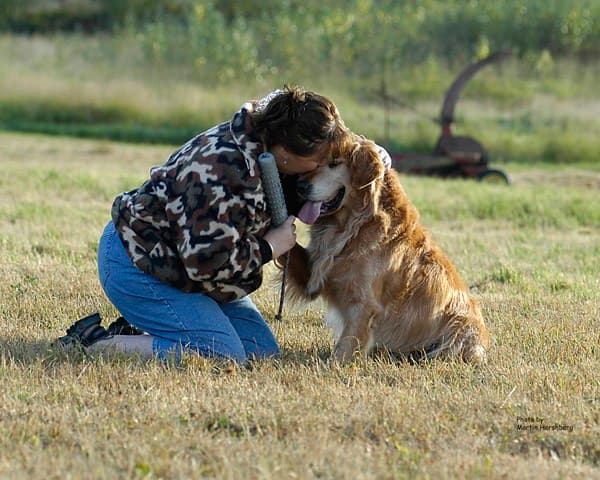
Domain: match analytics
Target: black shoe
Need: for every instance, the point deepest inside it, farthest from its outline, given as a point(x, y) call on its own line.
point(122, 327)
point(84, 332)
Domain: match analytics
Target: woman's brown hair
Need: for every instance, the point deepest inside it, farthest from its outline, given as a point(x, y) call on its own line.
point(301, 121)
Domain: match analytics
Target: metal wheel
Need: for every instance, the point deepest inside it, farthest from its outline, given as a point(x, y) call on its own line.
point(492, 175)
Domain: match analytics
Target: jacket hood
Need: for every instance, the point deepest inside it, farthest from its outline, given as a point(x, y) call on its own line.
point(244, 137)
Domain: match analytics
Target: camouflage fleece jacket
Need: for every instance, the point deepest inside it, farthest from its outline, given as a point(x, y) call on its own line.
point(197, 223)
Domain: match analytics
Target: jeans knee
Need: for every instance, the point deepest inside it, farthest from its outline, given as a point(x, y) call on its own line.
point(231, 348)
point(168, 349)
point(238, 354)
point(271, 349)
point(267, 348)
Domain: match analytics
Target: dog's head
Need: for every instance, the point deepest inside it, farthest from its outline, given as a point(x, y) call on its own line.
point(346, 182)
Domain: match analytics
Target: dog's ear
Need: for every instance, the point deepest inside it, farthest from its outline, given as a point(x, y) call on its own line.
point(365, 165)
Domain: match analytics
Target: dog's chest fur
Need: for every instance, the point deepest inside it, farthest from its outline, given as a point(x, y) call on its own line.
point(329, 261)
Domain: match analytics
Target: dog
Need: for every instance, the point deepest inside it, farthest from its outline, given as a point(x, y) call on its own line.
point(385, 281)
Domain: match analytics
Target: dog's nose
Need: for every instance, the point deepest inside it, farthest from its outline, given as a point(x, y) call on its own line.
point(303, 187)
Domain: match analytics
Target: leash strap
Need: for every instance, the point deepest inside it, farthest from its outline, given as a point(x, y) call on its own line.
point(283, 281)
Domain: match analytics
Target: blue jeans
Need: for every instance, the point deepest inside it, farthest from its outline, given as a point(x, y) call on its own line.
point(180, 321)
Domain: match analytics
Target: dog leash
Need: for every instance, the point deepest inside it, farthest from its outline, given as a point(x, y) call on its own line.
point(283, 282)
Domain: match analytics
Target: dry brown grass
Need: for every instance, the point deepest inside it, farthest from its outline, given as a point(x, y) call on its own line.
point(299, 417)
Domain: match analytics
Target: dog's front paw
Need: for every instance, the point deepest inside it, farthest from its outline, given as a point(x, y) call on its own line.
point(341, 358)
point(313, 293)
point(345, 350)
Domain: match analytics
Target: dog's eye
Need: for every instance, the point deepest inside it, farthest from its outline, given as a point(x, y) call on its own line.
point(333, 164)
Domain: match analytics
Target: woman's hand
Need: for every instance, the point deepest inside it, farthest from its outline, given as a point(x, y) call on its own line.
point(283, 237)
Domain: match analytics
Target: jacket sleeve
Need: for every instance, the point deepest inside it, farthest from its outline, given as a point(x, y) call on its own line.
point(212, 212)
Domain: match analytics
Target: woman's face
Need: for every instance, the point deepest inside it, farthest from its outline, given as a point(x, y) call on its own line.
point(289, 163)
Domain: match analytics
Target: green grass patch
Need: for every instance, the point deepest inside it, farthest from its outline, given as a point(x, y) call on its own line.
point(519, 206)
point(124, 132)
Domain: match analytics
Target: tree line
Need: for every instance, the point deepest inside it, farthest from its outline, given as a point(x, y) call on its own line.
point(416, 28)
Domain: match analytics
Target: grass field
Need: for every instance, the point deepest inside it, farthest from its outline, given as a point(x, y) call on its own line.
point(529, 251)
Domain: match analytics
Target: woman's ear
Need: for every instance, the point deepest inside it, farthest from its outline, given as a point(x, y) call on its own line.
point(365, 166)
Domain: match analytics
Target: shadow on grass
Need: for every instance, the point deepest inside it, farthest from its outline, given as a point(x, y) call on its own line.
point(24, 351)
point(324, 356)
point(306, 357)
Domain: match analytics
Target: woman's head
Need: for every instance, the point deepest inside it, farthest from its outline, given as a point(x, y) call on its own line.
point(302, 123)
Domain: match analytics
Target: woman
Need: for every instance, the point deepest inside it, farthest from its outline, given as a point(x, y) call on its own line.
point(184, 250)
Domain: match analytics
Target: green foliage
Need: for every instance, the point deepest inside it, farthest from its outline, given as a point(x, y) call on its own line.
point(35, 16)
point(382, 34)
point(372, 40)
point(354, 50)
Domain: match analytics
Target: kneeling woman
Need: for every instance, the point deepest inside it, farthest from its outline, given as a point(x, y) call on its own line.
point(184, 250)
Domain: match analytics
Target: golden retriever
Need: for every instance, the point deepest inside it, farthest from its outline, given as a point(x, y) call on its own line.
point(385, 281)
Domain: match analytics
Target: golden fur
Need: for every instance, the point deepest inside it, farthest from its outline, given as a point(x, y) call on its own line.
point(386, 283)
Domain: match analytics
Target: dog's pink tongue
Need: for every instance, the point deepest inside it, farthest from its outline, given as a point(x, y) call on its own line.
point(309, 212)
